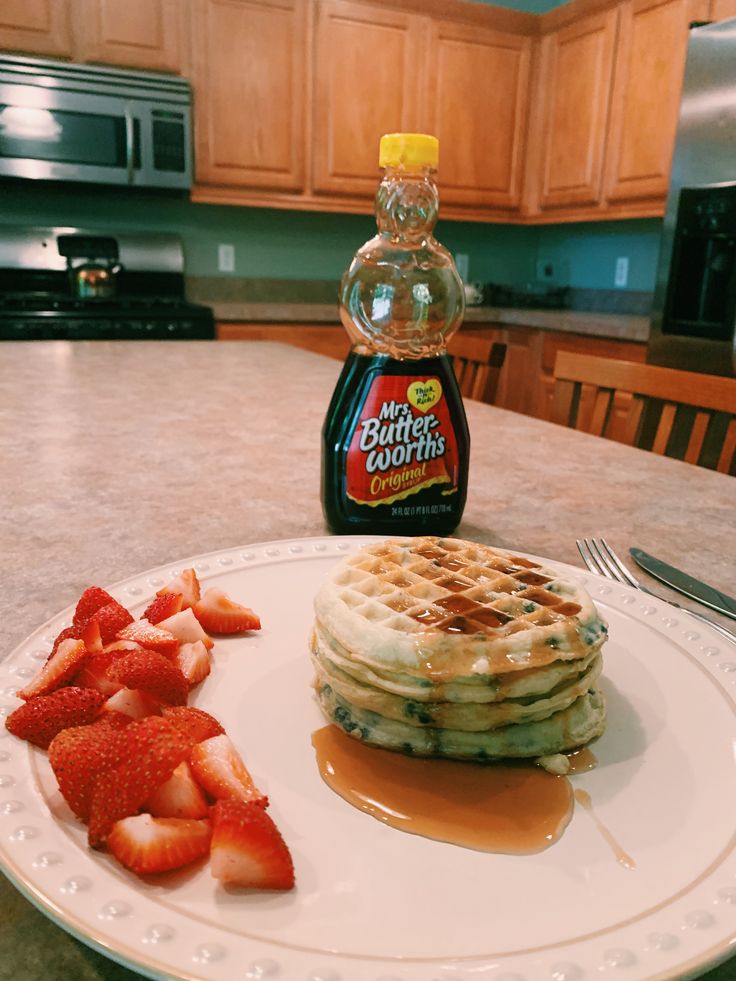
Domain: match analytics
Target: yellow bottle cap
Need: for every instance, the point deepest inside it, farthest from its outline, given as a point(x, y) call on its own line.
point(409, 150)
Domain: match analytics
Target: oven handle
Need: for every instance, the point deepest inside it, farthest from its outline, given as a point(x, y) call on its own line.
point(129, 144)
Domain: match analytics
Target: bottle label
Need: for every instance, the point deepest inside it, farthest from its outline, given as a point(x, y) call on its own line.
point(403, 441)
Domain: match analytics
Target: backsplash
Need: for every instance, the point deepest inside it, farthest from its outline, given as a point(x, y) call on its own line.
point(274, 246)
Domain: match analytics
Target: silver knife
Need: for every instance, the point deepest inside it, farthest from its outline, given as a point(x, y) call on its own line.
point(685, 584)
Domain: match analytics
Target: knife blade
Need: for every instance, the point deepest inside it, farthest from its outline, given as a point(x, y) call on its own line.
point(685, 584)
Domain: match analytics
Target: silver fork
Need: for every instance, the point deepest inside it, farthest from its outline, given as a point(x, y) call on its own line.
point(600, 558)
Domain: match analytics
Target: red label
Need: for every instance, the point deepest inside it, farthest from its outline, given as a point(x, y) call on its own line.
point(403, 441)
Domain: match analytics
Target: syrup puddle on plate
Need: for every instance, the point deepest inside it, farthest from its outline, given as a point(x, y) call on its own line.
point(509, 809)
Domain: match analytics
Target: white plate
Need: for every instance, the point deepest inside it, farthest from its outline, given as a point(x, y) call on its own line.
point(372, 903)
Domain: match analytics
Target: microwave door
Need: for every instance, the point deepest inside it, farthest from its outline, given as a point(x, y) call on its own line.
point(59, 135)
point(166, 153)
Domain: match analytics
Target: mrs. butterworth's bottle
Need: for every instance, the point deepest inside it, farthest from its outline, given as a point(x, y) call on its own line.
point(395, 441)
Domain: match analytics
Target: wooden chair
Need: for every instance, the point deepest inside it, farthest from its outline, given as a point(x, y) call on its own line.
point(682, 414)
point(477, 363)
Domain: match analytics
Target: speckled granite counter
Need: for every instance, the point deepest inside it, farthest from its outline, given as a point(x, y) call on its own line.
point(625, 327)
point(120, 457)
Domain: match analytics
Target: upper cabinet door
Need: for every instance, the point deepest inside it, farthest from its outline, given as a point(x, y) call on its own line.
point(476, 104)
point(575, 84)
point(36, 26)
point(646, 95)
point(249, 92)
point(134, 34)
point(366, 83)
point(721, 9)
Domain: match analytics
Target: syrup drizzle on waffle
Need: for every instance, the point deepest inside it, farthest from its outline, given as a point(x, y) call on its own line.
point(451, 586)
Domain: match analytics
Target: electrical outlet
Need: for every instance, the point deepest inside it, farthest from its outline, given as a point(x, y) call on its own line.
point(462, 264)
point(621, 276)
point(226, 258)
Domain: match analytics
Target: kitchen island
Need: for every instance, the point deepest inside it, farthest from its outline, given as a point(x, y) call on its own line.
point(122, 457)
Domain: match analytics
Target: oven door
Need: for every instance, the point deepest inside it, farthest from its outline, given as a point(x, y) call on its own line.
point(57, 134)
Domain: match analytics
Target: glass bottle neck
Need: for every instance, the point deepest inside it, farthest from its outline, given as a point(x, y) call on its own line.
point(407, 204)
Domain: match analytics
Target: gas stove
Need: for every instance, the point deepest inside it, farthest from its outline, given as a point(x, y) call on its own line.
point(36, 300)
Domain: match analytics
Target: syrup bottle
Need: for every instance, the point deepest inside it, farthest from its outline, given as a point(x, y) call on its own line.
point(395, 441)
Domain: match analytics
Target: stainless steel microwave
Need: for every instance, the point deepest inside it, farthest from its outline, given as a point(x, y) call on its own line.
point(66, 122)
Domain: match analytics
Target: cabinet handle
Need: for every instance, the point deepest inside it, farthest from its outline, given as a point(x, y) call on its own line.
point(129, 144)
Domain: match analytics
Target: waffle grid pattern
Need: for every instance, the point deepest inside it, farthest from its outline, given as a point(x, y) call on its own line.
point(452, 587)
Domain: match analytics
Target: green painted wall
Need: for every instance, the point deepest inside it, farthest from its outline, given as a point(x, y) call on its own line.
point(305, 245)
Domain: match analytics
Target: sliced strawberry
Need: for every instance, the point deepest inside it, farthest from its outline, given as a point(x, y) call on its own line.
point(153, 673)
point(43, 716)
point(58, 670)
point(185, 583)
point(186, 628)
point(112, 619)
point(91, 636)
point(79, 754)
point(153, 638)
point(133, 704)
point(146, 844)
point(154, 747)
point(193, 660)
point(162, 607)
point(66, 634)
point(94, 672)
point(91, 600)
point(219, 769)
point(247, 848)
point(179, 797)
point(194, 722)
point(220, 615)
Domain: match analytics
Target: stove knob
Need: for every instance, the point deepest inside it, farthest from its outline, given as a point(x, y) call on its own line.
point(150, 326)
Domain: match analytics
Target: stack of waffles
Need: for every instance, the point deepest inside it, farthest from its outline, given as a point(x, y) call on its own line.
point(441, 647)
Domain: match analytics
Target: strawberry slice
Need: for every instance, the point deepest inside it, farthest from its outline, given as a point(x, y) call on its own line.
point(94, 672)
point(153, 638)
point(186, 628)
point(153, 673)
point(221, 615)
point(131, 703)
point(43, 716)
point(219, 769)
point(91, 636)
point(179, 797)
point(79, 754)
point(91, 600)
point(193, 722)
point(193, 660)
point(146, 844)
point(58, 670)
point(154, 747)
point(185, 583)
point(66, 634)
point(162, 607)
point(247, 848)
point(112, 619)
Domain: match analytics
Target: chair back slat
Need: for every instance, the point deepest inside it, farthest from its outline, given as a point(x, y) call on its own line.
point(682, 414)
point(601, 411)
point(477, 362)
point(727, 459)
point(664, 429)
point(697, 435)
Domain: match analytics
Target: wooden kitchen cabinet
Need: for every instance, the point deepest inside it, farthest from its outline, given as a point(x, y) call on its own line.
point(40, 27)
point(136, 34)
point(475, 102)
point(573, 89)
point(249, 80)
point(722, 9)
point(650, 62)
point(366, 83)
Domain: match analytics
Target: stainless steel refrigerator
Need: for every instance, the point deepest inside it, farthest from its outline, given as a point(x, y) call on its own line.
point(694, 307)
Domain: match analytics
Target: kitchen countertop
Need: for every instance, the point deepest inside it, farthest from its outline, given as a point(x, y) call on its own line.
point(627, 327)
point(123, 456)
